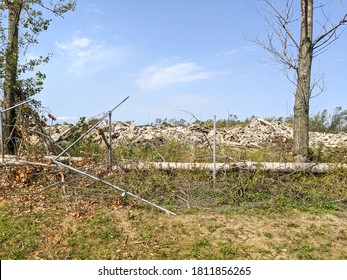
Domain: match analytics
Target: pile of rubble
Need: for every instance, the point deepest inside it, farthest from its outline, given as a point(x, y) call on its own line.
point(258, 133)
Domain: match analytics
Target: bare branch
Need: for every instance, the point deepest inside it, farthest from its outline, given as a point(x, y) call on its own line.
point(317, 84)
point(323, 39)
point(190, 113)
point(285, 18)
point(280, 41)
point(280, 57)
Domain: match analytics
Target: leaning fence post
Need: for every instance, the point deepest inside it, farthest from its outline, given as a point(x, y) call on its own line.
point(214, 151)
point(1, 139)
point(110, 139)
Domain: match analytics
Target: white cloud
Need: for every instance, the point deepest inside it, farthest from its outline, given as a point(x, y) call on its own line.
point(74, 45)
point(88, 57)
point(230, 52)
point(234, 51)
point(157, 76)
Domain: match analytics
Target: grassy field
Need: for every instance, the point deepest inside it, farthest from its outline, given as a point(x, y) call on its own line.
point(122, 233)
point(247, 215)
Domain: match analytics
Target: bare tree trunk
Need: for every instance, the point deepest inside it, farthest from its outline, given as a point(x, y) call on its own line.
point(303, 87)
point(11, 89)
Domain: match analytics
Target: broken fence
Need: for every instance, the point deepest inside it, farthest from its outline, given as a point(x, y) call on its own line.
point(123, 191)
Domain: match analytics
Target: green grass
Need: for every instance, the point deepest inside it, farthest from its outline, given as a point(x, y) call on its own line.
point(108, 233)
point(20, 237)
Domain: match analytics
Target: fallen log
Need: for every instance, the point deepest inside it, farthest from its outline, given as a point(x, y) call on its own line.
point(13, 160)
point(289, 167)
point(286, 167)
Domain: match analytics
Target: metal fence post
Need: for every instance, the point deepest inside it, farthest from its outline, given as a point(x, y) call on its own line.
point(2, 140)
point(110, 139)
point(214, 151)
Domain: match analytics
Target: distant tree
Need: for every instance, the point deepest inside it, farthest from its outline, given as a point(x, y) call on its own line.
point(320, 121)
point(338, 121)
point(295, 51)
point(324, 122)
point(25, 22)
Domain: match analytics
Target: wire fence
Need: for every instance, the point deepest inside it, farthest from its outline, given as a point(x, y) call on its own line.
point(106, 153)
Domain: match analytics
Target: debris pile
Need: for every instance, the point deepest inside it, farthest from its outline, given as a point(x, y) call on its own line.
point(258, 133)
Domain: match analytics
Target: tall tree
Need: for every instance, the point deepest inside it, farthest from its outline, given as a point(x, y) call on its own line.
point(25, 22)
point(297, 55)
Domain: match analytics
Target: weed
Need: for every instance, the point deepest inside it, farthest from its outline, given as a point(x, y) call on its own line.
point(227, 250)
point(201, 249)
point(201, 243)
point(293, 225)
point(268, 235)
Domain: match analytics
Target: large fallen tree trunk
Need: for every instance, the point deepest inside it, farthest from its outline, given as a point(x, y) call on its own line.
point(247, 165)
point(288, 167)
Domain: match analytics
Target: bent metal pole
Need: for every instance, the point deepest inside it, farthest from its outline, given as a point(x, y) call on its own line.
point(124, 192)
point(90, 129)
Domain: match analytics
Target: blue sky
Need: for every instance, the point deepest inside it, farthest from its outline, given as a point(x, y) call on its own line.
point(170, 56)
